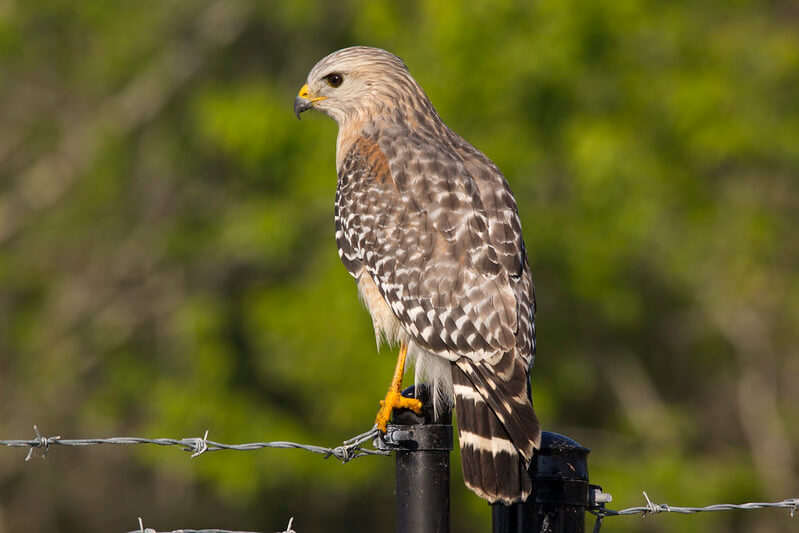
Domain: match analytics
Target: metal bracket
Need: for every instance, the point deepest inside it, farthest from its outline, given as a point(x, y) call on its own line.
point(432, 437)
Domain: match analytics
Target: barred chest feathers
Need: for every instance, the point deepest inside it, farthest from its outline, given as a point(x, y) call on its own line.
point(429, 367)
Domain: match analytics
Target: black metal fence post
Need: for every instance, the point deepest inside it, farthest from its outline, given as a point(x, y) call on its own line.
point(559, 498)
point(422, 444)
point(422, 461)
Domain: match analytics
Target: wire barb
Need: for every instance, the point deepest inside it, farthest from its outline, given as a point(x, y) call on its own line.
point(200, 445)
point(141, 528)
point(41, 442)
point(651, 507)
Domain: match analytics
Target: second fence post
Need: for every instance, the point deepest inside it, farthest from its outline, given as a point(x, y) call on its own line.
point(422, 461)
point(560, 491)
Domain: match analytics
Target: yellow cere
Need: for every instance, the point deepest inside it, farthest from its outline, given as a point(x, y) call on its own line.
point(307, 95)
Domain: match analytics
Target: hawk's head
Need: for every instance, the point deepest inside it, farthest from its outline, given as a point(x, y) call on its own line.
point(355, 81)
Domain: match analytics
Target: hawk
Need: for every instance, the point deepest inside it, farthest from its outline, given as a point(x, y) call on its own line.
point(429, 228)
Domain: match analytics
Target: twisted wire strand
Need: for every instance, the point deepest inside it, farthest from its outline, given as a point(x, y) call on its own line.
point(792, 504)
point(346, 452)
point(142, 529)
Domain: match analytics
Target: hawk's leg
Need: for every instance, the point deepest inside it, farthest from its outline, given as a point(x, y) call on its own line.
point(394, 398)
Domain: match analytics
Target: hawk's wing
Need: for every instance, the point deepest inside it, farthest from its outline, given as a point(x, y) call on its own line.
point(440, 236)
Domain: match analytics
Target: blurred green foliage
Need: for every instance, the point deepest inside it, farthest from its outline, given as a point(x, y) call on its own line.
point(167, 262)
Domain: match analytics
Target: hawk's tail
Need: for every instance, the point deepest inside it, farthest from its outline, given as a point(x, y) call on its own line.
point(497, 427)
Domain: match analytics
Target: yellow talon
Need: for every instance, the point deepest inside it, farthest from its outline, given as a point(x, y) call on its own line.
point(394, 398)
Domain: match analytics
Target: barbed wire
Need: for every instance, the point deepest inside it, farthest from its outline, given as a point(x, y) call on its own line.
point(792, 504)
point(347, 451)
point(142, 529)
point(350, 449)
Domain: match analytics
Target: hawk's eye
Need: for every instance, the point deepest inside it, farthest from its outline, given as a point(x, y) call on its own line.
point(334, 80)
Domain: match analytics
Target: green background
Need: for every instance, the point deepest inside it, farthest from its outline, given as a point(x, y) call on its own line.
point(167, 262)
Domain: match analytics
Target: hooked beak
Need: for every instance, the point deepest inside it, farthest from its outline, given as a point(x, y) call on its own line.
point(304, 101)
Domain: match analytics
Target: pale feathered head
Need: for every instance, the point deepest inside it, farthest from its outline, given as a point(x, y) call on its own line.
point(359, 80)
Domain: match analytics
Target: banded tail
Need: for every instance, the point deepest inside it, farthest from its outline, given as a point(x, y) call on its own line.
point(498, 430)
